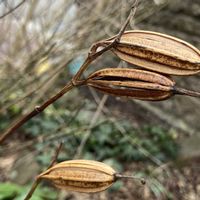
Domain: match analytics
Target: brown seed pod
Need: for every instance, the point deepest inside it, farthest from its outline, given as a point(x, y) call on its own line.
point(86, 176)
point(157, 52)
point(81, 176)
point(134, 83)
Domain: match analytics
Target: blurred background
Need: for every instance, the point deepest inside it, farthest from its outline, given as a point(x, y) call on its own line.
point(43, 44)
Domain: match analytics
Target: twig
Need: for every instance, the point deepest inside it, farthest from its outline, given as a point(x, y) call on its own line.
point(125, 135)
point(54, 160)
point(33, 188)
point(182, 91)
point(45, 139)
point(38, 179)
point(74, 82)
point(88, 132)
point(93, 54)
point(36, 111)
point(120, 176)
point(44, 83)
point(132, 13)
point(13, 9)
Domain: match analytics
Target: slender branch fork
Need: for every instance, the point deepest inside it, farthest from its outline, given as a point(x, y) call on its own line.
point(93, 55)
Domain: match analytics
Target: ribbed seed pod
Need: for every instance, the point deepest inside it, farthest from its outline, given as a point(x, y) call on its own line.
point(133, 83)
point(157, 52)
point(81, 176)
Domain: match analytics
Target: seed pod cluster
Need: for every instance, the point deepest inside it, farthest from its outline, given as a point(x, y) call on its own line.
point(157, 52)
point(81, 175)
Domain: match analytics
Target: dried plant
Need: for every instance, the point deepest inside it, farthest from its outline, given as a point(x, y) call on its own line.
point(149, 53)
point(135, 83)
point(156, 52)
point(85, 176)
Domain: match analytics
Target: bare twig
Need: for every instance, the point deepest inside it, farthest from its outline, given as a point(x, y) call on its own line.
point(33, 188)
point(93, 54)
point(182, 91)
point(38, 180)
point(12, 9)
point(40, 86)
point(88, 131)
point(74, 82)
point(120, 176)
point(46, 139)
point(36, 111)
point(124, 134)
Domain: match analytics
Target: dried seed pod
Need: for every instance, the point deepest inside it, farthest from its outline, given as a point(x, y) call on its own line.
point(135, 83)
point(86, 176)
point(81, 176)
point(157, 52)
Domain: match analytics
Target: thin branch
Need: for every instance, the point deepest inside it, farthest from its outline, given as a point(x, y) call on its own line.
point(93, 54)
point(121, 176)
point(182, 91)
point(12, 9)
point(45, 139)
point(36, 111)
point(29, 93)
point(93, 121)
point(74, 82)
point(33, 188)
point(131, 14)
point(38, 179)
point(123, 132)
point(54, 160)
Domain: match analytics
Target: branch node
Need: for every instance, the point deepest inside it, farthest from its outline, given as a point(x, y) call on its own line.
point(37, 109)
point(74, 82)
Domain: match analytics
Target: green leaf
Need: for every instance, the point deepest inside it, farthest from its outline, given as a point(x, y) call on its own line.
point(9, 190)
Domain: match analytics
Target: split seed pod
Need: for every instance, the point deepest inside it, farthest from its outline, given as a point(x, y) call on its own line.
point(157, 52)
point(135, 83)
point(81, 176)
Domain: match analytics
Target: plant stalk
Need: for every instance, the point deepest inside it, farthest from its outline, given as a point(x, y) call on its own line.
point(36, 111)
point(182, 91)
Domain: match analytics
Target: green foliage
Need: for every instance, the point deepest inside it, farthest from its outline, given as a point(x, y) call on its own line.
point(106, 141)
point(10, 191)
